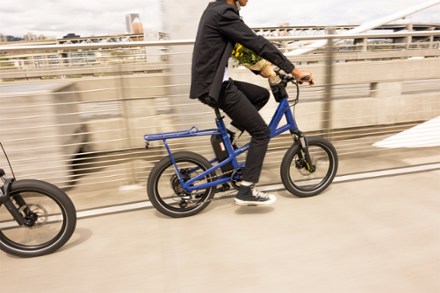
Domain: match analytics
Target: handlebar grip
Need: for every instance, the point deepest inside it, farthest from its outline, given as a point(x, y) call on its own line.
point(306, 79)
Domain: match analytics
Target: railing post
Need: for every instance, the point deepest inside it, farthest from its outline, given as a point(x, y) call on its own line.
point(130, 174)
point(327, 105)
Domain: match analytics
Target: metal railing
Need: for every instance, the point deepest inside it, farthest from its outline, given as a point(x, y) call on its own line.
point(78, 119)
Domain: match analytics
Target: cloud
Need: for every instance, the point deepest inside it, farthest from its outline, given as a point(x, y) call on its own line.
point(84, 17)
point(97, 17)
point(330, 12)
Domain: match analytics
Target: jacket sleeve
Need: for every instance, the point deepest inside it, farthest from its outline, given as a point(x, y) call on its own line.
point(232, 27)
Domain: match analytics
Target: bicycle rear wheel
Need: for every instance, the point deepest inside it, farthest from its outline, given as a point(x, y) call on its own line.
point(51, 215)
point(165, 191)
point(303, 181)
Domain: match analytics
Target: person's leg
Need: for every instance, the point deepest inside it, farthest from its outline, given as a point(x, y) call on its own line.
point(239, 108)
point(257, 95)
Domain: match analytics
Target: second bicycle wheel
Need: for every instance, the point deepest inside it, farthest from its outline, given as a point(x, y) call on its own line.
point(50, 213)
point(165, 191)
point(303, 180)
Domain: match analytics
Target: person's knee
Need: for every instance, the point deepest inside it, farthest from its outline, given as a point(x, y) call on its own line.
point(264, 98)
point(266, 95)
point(262, 133)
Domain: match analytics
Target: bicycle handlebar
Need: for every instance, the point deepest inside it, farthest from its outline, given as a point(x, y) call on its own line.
point(305, 79)
point(279, 88)
point(286, 78)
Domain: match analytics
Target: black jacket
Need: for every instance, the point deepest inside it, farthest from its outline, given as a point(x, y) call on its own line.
point(219, 29)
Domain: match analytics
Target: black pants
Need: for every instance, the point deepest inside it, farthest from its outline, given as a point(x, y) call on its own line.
point(241, 102)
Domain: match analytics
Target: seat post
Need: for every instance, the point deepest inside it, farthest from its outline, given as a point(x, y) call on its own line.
point(219, 120)
point(217, 113)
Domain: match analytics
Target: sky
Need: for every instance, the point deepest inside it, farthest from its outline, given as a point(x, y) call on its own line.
point(55, 18)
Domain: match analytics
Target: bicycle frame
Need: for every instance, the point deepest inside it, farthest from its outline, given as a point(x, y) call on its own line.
point(283, 110)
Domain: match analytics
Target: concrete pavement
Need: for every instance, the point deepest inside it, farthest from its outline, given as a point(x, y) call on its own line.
point(375, 235)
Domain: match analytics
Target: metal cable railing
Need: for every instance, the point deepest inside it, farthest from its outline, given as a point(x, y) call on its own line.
point(81, 125)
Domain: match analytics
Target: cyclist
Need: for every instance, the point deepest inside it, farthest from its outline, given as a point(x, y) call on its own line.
point(219, 29)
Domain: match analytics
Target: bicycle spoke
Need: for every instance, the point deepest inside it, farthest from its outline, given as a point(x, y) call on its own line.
point(165, 189)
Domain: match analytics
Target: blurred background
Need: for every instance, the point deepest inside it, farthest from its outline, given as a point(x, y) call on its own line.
point(74, 109)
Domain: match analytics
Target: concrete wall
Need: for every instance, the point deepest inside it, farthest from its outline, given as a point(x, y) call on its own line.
point(148, 104)
point(384, 104)
point(132, 107)
point(41, 129)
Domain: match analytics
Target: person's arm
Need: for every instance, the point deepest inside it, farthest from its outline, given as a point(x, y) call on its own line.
point(233, 27)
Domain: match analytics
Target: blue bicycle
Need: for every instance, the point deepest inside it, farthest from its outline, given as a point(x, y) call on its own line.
point(184, 183)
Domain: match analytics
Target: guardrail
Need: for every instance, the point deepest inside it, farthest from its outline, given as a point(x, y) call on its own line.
point(80, 124)
point(73, 60)
point(14, 49)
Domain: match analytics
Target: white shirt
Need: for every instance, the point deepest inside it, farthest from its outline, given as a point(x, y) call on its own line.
point(226, 75)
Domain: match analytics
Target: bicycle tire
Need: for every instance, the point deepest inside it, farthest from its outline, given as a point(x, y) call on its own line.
point(55, 224)
point(294, 174)
point(176, 204)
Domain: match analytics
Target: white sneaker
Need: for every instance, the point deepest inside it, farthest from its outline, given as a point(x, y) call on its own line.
point(249, 196)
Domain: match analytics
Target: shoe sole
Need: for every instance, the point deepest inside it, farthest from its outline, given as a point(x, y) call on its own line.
point(253, 204)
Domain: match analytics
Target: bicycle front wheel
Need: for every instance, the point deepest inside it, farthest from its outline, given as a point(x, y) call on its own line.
point(303, 180)
point(51, 218)
point(166, 193)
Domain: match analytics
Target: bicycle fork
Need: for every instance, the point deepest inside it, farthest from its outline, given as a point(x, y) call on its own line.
point(304, 154)
point(6, 200)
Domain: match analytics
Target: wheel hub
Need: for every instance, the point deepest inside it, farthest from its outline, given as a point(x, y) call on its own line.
point(177, 187)
point(34, 215)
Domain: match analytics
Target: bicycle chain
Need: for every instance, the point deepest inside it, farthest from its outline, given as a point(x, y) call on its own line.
point(224, 192)
point(226, 173)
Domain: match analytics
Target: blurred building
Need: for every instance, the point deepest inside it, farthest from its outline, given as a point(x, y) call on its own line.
point(133, 23)
point(137, 26)
point(8, 38)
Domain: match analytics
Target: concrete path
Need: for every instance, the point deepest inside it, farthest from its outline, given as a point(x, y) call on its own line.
point(374, 235)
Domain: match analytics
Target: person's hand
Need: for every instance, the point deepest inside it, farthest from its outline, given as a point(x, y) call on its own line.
point(303, 76)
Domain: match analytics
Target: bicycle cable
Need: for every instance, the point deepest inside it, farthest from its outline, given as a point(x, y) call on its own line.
point(292, 103)
point(7, 159)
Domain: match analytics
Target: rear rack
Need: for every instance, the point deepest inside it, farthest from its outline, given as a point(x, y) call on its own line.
point(193, 131)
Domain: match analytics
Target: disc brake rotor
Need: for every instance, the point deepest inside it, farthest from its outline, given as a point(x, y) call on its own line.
point(34, 215)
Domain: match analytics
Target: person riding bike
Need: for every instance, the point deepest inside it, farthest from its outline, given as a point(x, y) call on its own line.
point(220, 28)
